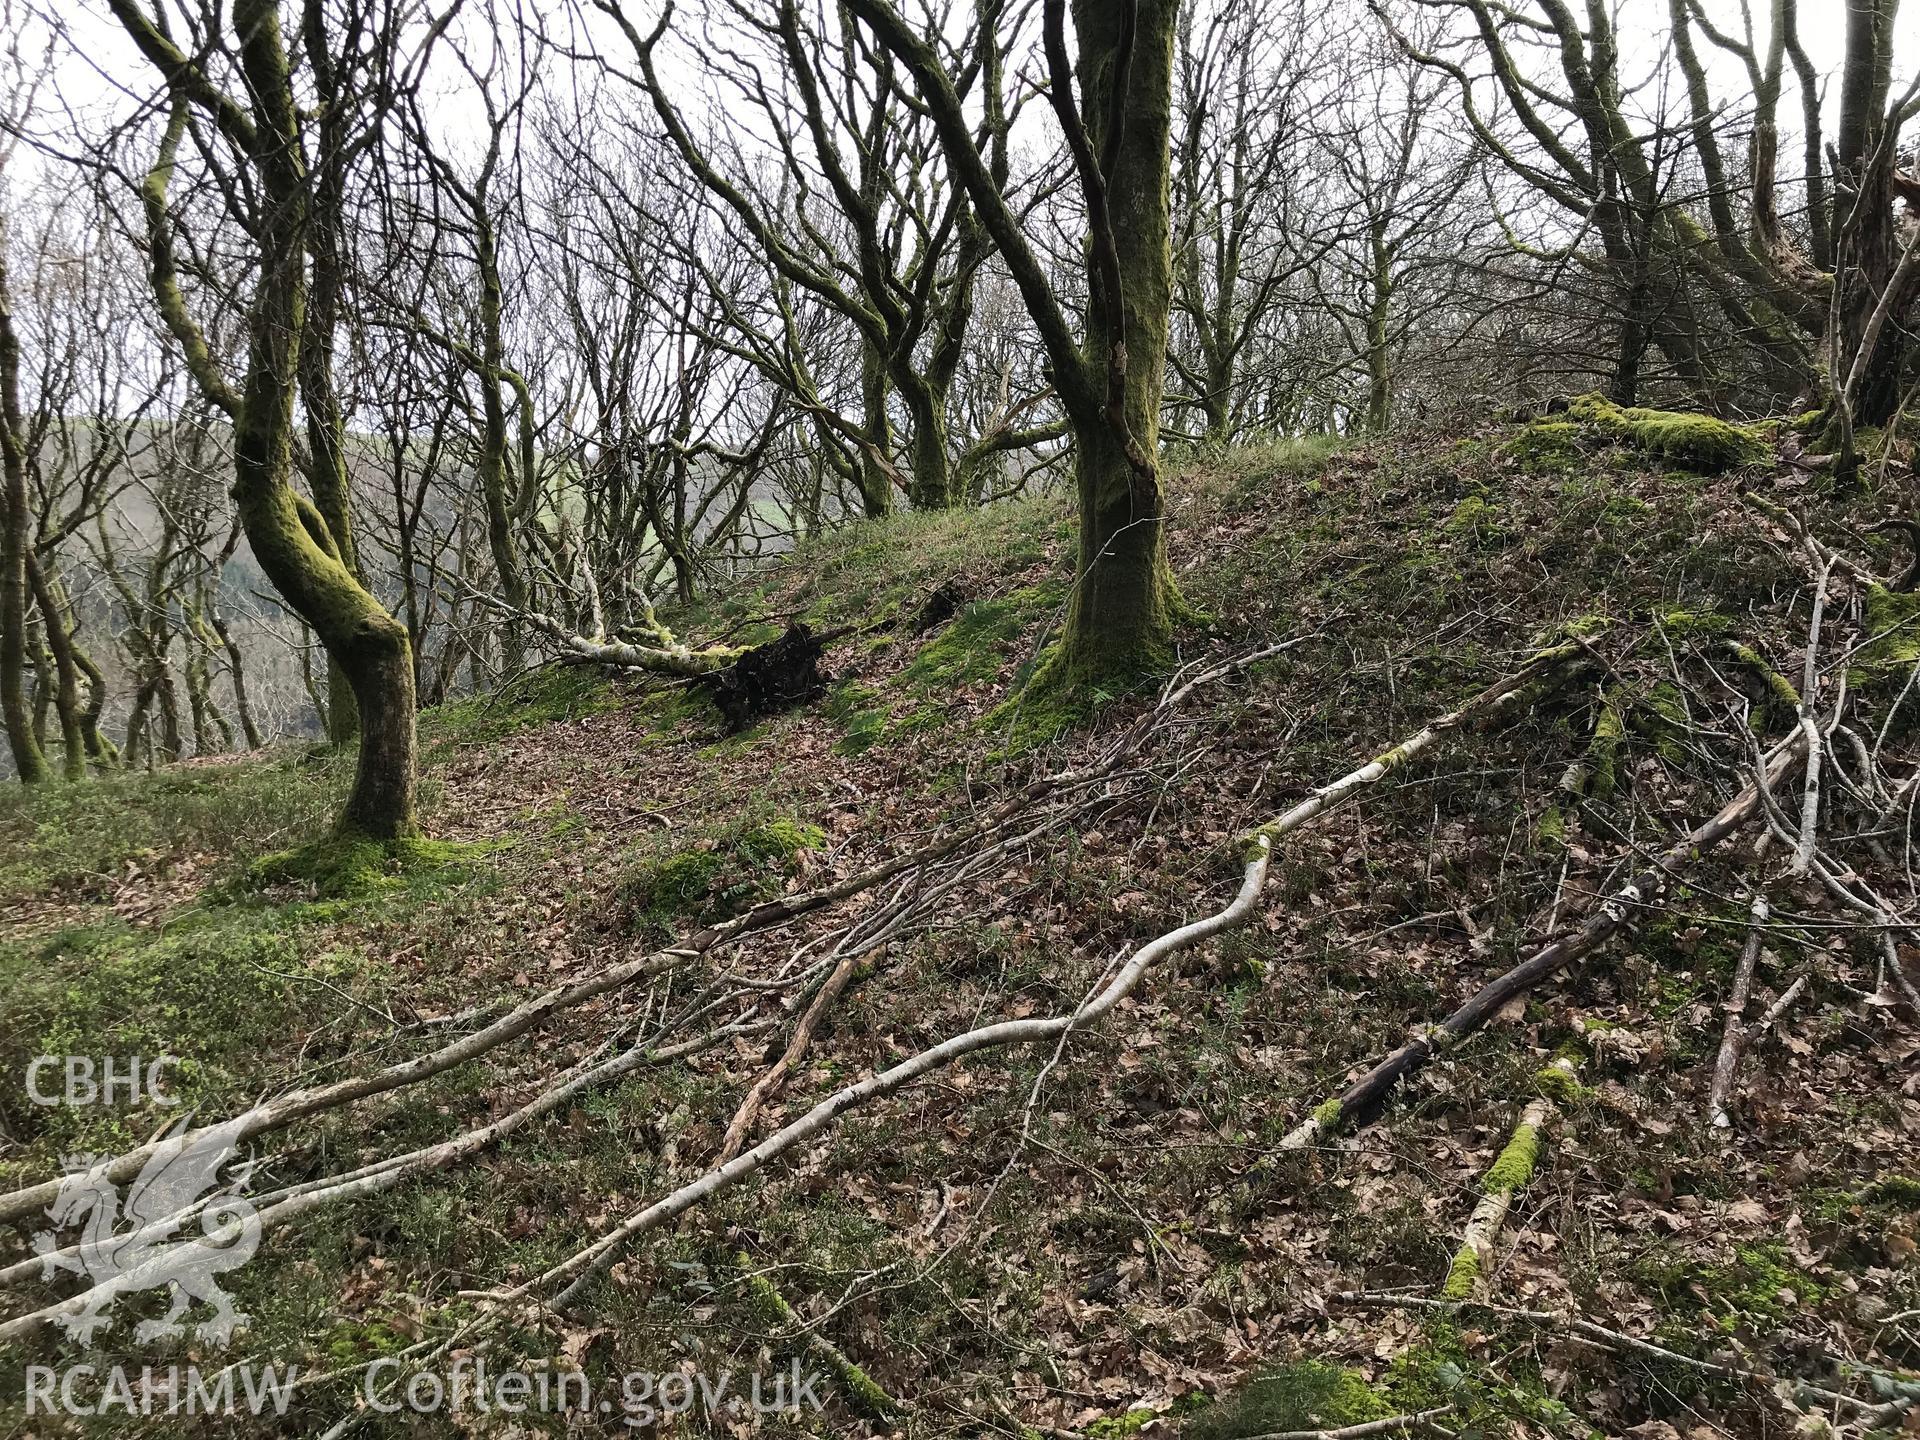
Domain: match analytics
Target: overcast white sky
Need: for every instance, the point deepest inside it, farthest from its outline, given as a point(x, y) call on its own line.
point(100, 73)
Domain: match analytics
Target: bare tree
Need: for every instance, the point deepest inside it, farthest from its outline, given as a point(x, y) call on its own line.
point(240, 80)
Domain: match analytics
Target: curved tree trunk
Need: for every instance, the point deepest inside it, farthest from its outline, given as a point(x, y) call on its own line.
point(236, 672)
point(289, 536)
point(100, 749)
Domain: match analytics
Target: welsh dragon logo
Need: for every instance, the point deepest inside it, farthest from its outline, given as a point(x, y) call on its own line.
point(121, 1252)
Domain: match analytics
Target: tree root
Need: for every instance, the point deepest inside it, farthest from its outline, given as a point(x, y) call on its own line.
point(766, 679)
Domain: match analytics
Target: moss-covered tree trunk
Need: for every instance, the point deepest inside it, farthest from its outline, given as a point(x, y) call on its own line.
point(289, 536)
point(368, 644)
point(66, 692)
point(1120, 620)
point(932, 473)
point(326, 426)
point(1868, 250)
point(29, 764)
point(872, 470)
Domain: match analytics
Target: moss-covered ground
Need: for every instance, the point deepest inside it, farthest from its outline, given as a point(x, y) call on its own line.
point(1145, 1261)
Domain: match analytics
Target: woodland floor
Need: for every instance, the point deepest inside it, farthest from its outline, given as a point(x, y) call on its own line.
point(1148, 1249)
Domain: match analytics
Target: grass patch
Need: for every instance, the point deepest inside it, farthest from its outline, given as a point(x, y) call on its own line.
point(546, 696)
point(343, 867)
point(82, 837)
point(1309, 1395)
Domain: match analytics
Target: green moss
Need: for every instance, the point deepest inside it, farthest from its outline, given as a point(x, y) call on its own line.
point(1603, 751)
point(221, 987)
point(1462, 1275)
point(861, 1388)
point(861, 715)
point(1544, 447)
point(1778, 686)
point(345, 867)
point(978, 645)
point(1050, 704)
point(1758, 1286)
point(1307, 1395)
point(1327, 1116)
point(70, 838)
point(1552, 829)
point(1897, 1190)
point(779, 839)
point(1699, 442)
point(1695, 624)
point(1559, 1079)
point(1893, 646)
point(1624, 512)
point(351, 1341)
point(1429, 1375)
point(715, 877)
point(1113, 1427)
point(1662, 717)
point(1514, 1168)
point(1471, 517)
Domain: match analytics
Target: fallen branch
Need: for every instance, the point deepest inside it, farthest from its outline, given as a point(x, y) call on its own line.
point(1734, 1036)
point(667, 657)
point(1508, 1174)
point(864, 1390)
point(1783, 1004)
point(1495, 697)
point(796, 1050)
point(1361, 1099)
point(1810, 727)
point(583, 1266)
point(279, 1208)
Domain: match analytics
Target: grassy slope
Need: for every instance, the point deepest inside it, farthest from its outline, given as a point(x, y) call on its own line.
point(1150, 1247)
